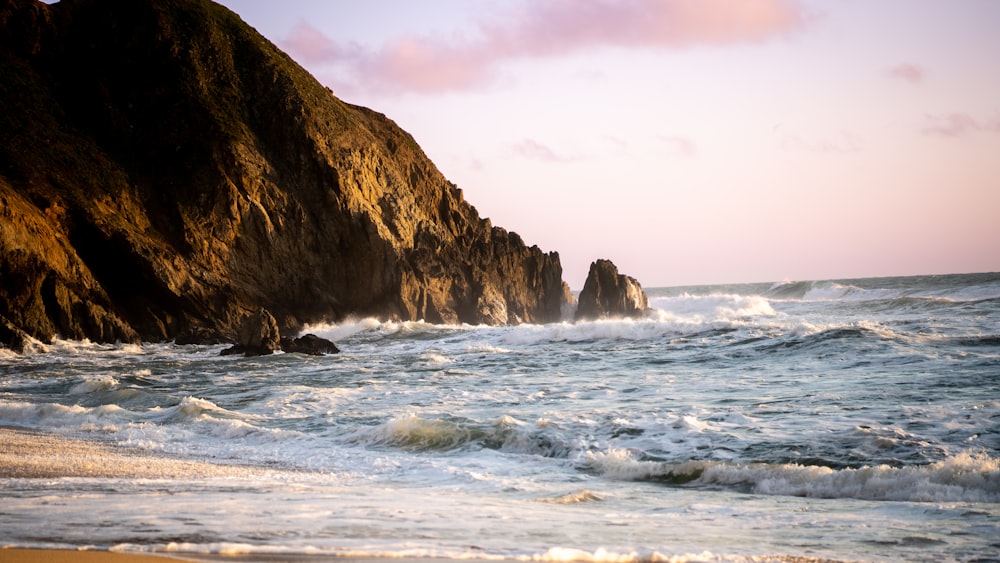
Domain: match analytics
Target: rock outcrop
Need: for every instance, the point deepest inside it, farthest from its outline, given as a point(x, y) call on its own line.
point(257, 336)
point(12, 337)
point(164, 170)
point(309, 344)
point(606, 293)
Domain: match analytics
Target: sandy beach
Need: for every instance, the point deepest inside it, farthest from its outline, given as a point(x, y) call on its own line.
point(73, 556)
point(31, 454)
point(18, 555)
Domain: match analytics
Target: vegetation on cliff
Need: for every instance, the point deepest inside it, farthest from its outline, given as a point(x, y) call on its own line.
point(164, 170)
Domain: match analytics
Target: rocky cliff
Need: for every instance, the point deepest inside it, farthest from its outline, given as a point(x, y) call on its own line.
point(164, 170)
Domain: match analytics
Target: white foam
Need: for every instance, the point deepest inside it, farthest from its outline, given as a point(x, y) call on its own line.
point(814, 291)
point(55, 416)
point(105, 383)
point(584, 331)
point(713, 308)
point(341, 331)
point(620, 464)
point(552, 555)
point(965, 477)
point(412, 431)
point(671, 315)
point(189, 408)
point(576, 497)
point(216, 548)
point(485, 348)
point(831, 291)
point(435, 357)
point(565, 554)
point(86, 348)
point(962, 478)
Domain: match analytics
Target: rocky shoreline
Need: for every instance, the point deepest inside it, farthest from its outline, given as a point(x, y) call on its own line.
point(165, 171)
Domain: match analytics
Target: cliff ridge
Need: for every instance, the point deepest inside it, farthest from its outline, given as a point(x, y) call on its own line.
point(165, 170)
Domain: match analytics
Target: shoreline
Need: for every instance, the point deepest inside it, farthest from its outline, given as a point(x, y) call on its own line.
point(65, 555)
point(39, 555)
point(33, 454)
point(62, 555)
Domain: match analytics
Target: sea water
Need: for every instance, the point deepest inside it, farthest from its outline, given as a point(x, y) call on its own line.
point(850, 420)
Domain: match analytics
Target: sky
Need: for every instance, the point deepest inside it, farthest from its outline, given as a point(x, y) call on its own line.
point(690, 141)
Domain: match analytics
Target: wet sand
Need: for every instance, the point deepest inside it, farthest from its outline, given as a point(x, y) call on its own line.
point(72, 556)
point(28, 454)
point(93, 556)
point(32, 454)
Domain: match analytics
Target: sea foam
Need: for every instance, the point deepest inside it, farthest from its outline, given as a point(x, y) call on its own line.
point(94, 385)
point(966, 477)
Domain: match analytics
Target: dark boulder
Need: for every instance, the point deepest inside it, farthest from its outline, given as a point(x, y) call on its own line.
point(200, 335)
point(309, 344)
point(258, 335)
point(606, 293)
point(11, 337)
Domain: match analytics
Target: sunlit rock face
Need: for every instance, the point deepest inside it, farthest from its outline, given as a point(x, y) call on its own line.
point(164, 170)
point(606, 293)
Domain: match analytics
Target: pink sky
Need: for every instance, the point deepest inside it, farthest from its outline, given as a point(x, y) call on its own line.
point(690, 141)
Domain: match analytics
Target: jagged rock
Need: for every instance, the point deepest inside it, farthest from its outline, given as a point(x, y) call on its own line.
point(164, 167)
point(606, 293)
point(258, 335)
point(491, 307)
point(200, 335)
point(568, 309)
point(11, 337)
point(309, 344)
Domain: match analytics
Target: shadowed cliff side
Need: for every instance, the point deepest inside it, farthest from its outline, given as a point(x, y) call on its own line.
point(164, 169)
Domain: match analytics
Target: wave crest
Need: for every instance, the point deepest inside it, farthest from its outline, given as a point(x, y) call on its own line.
point(965, 477)
point(412, 432)
point(421, 434)
point(576, 497)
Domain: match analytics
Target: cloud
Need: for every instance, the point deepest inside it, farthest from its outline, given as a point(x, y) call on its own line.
point(959, 125)
point(907, 72)
point(679, 146)
point(544, 29)
point(533, 150)
point(311, 45)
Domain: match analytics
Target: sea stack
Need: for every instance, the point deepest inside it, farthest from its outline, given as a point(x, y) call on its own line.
point(164, 169)
point(606, 294)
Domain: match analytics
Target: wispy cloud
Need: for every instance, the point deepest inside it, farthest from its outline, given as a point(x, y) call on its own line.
point(959, 125)
point(309, 44)
point(907, 72)
point(547, 28)
point(679, 146)
point(533, 150)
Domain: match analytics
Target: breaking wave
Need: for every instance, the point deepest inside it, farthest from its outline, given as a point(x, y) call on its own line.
point(965, 477)
point(412, 432)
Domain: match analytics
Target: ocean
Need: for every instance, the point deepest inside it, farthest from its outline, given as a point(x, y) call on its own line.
point(853, 420)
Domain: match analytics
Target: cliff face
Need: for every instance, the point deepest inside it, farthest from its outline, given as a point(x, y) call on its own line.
point(164, 169)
